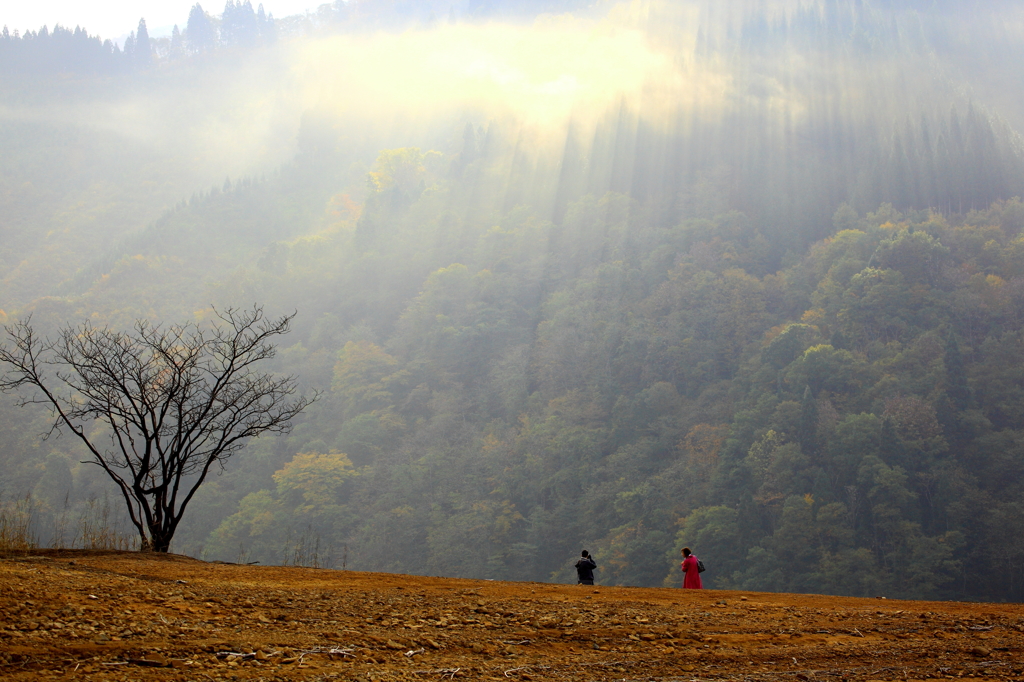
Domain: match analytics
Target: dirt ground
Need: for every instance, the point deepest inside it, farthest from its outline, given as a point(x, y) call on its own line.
point(128, 616)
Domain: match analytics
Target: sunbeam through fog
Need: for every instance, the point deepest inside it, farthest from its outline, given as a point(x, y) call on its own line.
point(739, 276)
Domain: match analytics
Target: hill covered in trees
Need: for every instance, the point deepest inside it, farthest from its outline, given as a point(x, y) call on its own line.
point(760, 291)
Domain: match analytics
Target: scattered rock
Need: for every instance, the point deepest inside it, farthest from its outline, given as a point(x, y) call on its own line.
point(541, 633)
point(152, 660)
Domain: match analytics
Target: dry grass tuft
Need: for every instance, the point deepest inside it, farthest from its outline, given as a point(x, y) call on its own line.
point(16, 517)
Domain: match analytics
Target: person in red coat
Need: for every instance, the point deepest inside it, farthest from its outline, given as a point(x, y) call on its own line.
point(691, 576)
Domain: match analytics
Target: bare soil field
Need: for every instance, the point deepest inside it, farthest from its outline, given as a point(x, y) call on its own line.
point(130, 616)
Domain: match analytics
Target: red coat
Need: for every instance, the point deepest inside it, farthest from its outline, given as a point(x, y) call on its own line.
point(691, 577)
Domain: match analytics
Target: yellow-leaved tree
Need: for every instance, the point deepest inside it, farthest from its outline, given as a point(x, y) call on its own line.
point(304, 520)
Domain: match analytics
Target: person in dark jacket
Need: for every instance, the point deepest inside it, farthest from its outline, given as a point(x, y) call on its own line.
point(585, 569)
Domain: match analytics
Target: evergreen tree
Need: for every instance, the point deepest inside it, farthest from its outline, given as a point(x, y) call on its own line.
point(262, 27)
point(177, 44)
point(890, 447)
point(955, 396)
point(129, 48)
point(808, 432)
point(239, 24)
point(143, 55)
point(200, 34)
point(956, 386)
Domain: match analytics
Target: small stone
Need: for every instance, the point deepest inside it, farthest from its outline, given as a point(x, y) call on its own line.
point(156, 659)
point(980, 652)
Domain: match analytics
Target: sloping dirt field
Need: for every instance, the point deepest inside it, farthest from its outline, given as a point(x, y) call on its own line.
point(126, 616)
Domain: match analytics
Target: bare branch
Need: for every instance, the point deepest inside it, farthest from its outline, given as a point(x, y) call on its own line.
point(172, 400)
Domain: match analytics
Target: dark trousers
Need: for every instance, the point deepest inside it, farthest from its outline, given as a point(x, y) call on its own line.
point(586, 582)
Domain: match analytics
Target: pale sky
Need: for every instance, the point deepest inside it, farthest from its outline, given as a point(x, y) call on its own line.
point(114, 19)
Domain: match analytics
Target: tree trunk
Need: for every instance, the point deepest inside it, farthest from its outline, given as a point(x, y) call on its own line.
point(159, 540)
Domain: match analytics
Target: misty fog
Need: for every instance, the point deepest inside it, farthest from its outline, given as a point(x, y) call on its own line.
point(625, 275)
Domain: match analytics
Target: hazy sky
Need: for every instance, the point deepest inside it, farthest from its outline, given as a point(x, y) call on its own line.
point(116, 18)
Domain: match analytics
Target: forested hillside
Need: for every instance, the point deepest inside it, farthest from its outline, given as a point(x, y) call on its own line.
point(765, 299)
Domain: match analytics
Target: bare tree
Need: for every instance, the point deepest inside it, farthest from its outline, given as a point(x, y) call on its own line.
point(170, 402)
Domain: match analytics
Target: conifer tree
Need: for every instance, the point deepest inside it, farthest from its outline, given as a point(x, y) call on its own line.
point(956, 385)
point(808, 423)
point(200, 34)
point(143, 56)
point(177, 44)
point(129, 47)
point(955, 396)
point(890, 447)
